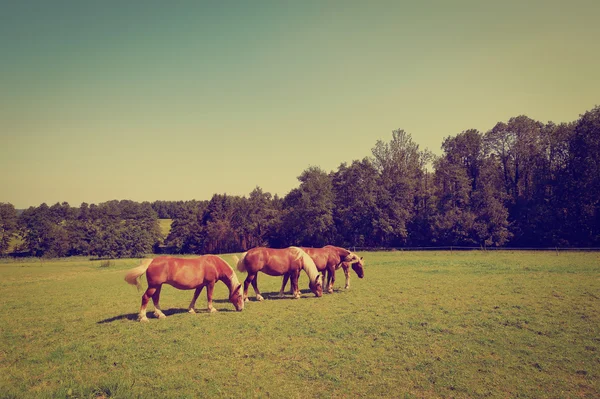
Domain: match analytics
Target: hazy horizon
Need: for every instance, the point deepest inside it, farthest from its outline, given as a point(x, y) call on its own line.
point(158, 101)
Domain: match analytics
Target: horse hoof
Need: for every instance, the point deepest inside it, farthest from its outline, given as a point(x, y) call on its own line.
point(212, 310)
point(330, 291)
point(260, 298)
point(191, 311)
point(143, 319)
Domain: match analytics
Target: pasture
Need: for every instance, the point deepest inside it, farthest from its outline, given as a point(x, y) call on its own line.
point(419, 325)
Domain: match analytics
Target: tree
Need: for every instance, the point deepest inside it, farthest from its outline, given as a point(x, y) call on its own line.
point(217, 222)
point(43, 230)
point(401, 166)
point(355, 212)
point(186, 235)
point(469, 194)
point(584, 180)
point(518, 146)
point(8, 225)
point(307, 218)
point(260, 216)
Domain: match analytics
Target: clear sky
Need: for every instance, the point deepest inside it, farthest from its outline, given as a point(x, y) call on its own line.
point(159, 100)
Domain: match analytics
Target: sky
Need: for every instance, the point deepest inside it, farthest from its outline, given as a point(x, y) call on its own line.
point(155, 100)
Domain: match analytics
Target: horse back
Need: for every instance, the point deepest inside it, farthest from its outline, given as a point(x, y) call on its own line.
point(322, 257)
point(183, 273)
point(342, 253)
point(271, 261)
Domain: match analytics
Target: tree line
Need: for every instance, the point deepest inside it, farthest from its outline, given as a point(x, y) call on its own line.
point(522, 183)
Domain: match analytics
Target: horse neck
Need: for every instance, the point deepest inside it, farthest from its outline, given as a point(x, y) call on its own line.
point(228, 276)
point(339, 255)
point(311, 270)
point(343, 252)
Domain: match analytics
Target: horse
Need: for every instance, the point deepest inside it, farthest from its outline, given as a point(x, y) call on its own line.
point(330, 258)
point(278, 262)
point(185, 274)
point(351, 260)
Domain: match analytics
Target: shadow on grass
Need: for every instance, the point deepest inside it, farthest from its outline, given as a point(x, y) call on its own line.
point(167, 312)
point(274, 295)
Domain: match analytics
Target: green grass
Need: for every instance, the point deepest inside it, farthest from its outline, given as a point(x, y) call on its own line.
point(420, 324)
point(165, 226)
point(15, 242)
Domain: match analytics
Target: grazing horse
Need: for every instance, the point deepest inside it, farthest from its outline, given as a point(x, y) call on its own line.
point(277, 262)
point(351, 259)
point(185, 274)
point(328, 259)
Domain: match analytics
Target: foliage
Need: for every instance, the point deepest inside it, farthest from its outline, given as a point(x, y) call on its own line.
point(307, 218)
point(8, 225)
point(111, 229)
point(522, 183)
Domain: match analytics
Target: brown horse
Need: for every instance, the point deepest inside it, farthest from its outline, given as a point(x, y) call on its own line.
point(185, 274)
point(277, 262)
point(351, 260)
point(330, 258)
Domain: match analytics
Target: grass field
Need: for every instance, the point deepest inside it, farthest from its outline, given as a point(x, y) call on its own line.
point(165, 226)
point(420, 324)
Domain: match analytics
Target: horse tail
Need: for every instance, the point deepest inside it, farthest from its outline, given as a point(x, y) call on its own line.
point(241, 266)
point(133, 275)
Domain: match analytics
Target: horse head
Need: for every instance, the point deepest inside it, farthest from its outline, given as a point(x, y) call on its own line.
point(316, 286)
point(357, 264)
point(237, 297)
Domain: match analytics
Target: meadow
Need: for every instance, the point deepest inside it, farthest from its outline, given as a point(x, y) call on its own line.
point(419, 325)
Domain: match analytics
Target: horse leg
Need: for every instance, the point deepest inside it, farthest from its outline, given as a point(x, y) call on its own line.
point(145, 298)
point(255, 286)
point(209, 294)
point(285, 280)
point(193, 303)
point(328, 285)
point(156, 298)
point(330, 279)
point(347, 273)
point(247, 281)
point(294, 283)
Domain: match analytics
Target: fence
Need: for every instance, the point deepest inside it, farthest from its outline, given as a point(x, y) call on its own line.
point(452, 248)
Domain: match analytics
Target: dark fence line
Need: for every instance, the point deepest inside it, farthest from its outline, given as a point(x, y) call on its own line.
point(467, 248)
point(451, 248)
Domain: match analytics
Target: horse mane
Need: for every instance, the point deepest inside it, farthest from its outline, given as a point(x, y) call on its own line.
point(308, 264)
point(133, 275)
point(233, 277)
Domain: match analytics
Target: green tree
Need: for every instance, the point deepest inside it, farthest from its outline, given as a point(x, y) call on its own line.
point(258, 216)
point(186, 235)
point(43, 229)
point(401, 166)
point(218, 224)
point(518, 146)
point(584, 180)
point(8, 225)
point(469, 194)
point(356, 190)
point(307, 217)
